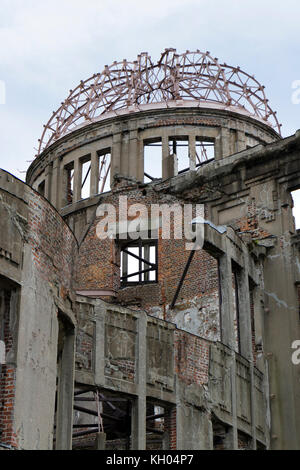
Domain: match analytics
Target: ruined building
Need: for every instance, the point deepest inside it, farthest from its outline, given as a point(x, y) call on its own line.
point(137, 342)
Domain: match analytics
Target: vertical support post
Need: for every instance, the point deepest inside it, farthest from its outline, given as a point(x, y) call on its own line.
point(65, 398)
point(125, 154)
point(192, 152)
point(94, 179)
point(140, 160)
point(138, 416)
point(218, 146)
point(133, 154)
point(244, 314)
point(77, 179)
point(115, 156)
point(48, 175)
point(165, 157)
point(246, 334)
point(226, 300)
point(227, 321)
point(225, 133)
point(62, 187)
point(55, 184)
point(99, 346)
point(240, 141)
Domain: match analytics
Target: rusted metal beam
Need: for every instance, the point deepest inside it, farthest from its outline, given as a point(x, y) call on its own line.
point(94, 413)
point(182, 278)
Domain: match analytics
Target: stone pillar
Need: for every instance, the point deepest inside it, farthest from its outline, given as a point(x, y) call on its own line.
point(115, 156)
point(133, 154)
point(140, 160)
point(65, 396)
point(244, 314)
point(48, 176)
point(227, 328)
point(168, 161)
point(226, 300)
point(240, 141)
point(124, 167)
point(246, 335)
point(62, 187)
point(138, 415)
point(94, 177)
point(99, 346)
point(218, 146)
point(55, 184)
point(192, 152)
point(77, 180)
point(225, 139)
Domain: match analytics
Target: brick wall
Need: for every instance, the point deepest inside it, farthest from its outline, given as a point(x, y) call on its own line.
point(52, 242)
point(7, 379)
point(191, 358)
point(98, 266)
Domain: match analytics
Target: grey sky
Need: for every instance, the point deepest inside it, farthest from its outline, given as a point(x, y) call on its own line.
point(47, 47)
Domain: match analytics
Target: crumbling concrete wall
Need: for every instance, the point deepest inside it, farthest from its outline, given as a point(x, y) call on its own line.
point(41, 269)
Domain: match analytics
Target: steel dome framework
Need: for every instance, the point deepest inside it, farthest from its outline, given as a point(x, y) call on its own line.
point(195, 77)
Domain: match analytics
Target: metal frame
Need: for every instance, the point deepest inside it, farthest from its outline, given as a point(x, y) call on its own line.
point(195, 77)
point(115, 420)
point(125, 278)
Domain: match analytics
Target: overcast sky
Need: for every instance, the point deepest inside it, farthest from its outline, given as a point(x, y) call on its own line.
point(47, 47)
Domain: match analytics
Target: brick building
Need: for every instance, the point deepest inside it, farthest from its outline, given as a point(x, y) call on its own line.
point(134, 341)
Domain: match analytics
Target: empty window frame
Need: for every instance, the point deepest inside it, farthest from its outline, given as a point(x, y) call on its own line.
point(152, 159)
point(138, 262)
point(104, 170)
point(205, 151)
point(85, 177)
point(296, 207)
point(236, 310)
point(41, 188)
point(69, 188)
point(179, 146)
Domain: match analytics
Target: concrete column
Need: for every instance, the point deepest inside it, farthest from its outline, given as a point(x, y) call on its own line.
point(218, 146)
point(55, 183)
point(48, 175)
point(225, 140)
point(192, 152)
point(244, 314)
point(227, 328)
point(65, 396)
point(133, 154)
point(138, 415)
point(246, 334)
point(94, 177)
point(165, 156)
point(125, 155)
point(99, 346)
point(77, 180)
point(62, 187)
point(169, 168)
point(115, 156)
point(140, 160)
point(226, 300)
point(240, 141)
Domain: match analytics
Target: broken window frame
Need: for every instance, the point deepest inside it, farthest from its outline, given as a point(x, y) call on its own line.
point(144, 259)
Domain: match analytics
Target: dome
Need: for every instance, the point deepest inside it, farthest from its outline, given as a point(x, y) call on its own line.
point(191, 79)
